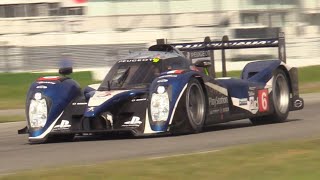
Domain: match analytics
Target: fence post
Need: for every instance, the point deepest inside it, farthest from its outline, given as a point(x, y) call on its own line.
point(161, 41)
point(212, 70)
point(282, 47)
point(225, 39)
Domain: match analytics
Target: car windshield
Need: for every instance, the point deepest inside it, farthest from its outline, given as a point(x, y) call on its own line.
point(131, 75)
point(138, 75)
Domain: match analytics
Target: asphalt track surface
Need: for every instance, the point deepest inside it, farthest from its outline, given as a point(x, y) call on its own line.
point(16, 154)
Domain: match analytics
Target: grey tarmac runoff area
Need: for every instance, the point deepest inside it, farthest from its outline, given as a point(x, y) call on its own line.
point(16, 154)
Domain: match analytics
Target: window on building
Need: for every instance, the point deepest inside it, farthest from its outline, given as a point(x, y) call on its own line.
point(42, 9)
point(32, 10)
point(249, 18)
point(65, 11)
point(275, 2)
point(277, 19)
point(20, 10)
point(2, 11)
point(53, 9)
point(75, 11)
point(9, 10)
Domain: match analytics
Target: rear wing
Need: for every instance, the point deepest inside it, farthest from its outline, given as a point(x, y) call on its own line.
point(207, 48)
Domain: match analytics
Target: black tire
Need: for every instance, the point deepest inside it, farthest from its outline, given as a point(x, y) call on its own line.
point(191, 111)
point(280, 100)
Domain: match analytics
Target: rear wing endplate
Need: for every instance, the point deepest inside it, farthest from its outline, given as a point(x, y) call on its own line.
point(207, 47)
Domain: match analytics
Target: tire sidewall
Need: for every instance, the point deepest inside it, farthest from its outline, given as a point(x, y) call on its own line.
point(279, 115)
point(195, 127)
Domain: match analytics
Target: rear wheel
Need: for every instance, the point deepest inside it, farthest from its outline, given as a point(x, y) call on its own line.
point(280, 100)
point(191, 112)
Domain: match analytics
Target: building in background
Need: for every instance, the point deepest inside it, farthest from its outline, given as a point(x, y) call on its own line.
point(45, 29)
point(41, 8)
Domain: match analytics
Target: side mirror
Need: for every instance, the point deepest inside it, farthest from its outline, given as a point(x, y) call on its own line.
point(65, 71)
point(203, 63)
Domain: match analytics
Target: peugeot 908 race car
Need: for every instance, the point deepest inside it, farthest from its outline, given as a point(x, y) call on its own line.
point(161, 91)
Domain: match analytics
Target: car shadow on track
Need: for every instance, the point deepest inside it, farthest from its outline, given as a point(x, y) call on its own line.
point(239, 124)
point(216, 127)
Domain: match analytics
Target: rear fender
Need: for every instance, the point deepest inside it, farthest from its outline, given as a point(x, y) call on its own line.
point(260, 71)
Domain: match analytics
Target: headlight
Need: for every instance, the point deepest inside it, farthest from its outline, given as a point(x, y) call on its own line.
point(38, 112)
point(160, 105)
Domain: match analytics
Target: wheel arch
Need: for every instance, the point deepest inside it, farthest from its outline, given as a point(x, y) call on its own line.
point(285, 70)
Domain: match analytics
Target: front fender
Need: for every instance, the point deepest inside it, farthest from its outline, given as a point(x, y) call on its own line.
point(175, 85)
point(57, 94)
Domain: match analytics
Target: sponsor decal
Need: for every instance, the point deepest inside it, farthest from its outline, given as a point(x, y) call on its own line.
point(218, 101)
point(79, 103)
point(219, 111)
point(199, 54)
point(214, 111)
point(243, 102)
point(175, 72)
point(253, 105)
point(64, 125)
point(134, 122)
point(297, 103)
point(168, 76)
point(252, 91)
point(136, 60)
point(217, 44)
point(224, 110)
point(41, 87)
point(90, 109)
point(155, 60)
point(138, 100)
point(263, 100)
point(45, 82)
point(49, 78)
point(162, 80)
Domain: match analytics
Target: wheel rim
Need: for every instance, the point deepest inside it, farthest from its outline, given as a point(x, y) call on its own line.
point(281, 93)
point(195, 104)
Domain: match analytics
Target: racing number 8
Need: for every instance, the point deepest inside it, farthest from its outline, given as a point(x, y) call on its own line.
point(263, 100)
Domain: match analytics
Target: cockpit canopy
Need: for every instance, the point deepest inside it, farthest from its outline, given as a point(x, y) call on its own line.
point(139, 69)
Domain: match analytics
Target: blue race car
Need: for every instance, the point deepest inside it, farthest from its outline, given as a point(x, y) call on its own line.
point(161, 91)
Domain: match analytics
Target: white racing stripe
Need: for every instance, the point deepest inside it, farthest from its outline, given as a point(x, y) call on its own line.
point(48, 130)
point(147, 127)
point(94, 86)
point(175, 106)
point(100, 97)
point(220, 89)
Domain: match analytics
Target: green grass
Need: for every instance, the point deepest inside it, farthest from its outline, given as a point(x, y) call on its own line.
point(14, 86)
point(11, 118)
point(281, 160)
point(309, 74)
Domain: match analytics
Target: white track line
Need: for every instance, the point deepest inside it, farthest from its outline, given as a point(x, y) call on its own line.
point(183, 154)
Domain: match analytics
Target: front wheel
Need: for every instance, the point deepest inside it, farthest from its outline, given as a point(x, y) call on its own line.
point(280, 100)
point(191, 111)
